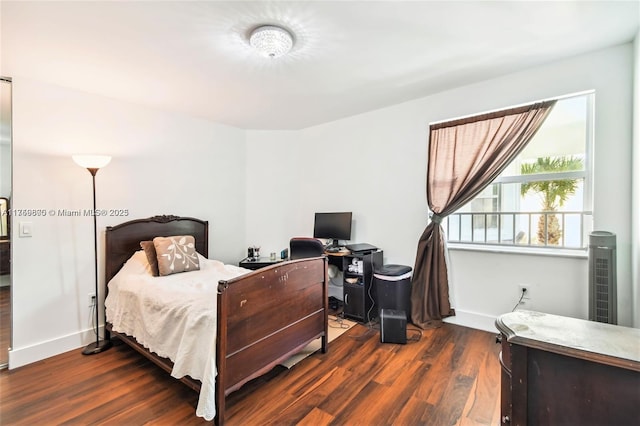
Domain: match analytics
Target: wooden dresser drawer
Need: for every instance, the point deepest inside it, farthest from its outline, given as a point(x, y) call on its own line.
point(5, 257)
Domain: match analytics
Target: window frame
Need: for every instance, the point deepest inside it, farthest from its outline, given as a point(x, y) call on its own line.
point(587, 175)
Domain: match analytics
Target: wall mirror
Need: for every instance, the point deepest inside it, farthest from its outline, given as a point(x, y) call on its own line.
point(4, 218)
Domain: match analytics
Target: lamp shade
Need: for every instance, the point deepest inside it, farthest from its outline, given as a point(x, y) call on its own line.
point(91, 161)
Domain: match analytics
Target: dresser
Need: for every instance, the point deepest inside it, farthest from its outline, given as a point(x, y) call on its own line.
point(565, 371)
point(5, 257)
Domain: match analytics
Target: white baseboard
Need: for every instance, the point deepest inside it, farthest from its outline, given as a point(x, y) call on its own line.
point(473, 320)
point(29, 354)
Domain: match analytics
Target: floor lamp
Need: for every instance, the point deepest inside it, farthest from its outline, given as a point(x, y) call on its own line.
point(93, 163)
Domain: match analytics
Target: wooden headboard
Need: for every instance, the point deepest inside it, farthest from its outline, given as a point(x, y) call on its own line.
point(123, 240)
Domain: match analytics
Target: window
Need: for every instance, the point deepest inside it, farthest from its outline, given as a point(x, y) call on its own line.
point(543, 198)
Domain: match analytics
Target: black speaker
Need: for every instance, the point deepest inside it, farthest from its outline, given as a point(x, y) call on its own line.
point(393, 326)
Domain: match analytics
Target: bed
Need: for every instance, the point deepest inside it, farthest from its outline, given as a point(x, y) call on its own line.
point(262, 317)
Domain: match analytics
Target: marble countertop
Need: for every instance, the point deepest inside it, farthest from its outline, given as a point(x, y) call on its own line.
point(605, 343)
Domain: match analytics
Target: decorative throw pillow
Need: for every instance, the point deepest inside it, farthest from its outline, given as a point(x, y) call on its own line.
point(176, 254)
point(150, 251)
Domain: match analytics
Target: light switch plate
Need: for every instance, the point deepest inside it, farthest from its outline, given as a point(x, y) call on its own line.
point(25, 229)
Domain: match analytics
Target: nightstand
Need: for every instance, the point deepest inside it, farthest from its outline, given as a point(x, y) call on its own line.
point(258, 263)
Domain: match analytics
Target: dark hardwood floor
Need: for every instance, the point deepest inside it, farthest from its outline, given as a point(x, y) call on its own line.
point(450, 377)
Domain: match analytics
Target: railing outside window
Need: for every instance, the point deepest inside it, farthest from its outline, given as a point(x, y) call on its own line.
point(550, 229)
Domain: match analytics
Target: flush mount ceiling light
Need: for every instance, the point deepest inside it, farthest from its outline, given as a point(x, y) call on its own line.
point(271, 41)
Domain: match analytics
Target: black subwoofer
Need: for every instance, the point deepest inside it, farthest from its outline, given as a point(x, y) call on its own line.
point(393, 326)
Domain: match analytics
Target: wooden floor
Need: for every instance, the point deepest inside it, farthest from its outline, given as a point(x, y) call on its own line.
point(450, 377)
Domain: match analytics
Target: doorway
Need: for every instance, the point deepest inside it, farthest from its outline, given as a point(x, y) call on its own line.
point(5, 220)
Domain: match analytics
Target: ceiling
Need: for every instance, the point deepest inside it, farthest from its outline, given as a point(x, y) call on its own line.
point(349, 57)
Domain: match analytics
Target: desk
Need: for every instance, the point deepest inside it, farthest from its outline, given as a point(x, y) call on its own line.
point(343, 252)
point(359, 295)
point(259, 263)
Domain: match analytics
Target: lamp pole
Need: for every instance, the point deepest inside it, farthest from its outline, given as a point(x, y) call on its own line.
point(93, 163)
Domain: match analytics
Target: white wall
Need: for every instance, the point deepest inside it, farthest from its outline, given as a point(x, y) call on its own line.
point(162, 163)
point(374, 164)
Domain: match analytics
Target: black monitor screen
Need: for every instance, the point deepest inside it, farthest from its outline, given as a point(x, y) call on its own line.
point(334, 226)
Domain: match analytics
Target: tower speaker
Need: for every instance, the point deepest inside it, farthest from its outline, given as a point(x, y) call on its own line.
point(393, 326)
point(603, 299)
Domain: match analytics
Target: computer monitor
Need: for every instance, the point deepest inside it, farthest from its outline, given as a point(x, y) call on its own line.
point(333, 226)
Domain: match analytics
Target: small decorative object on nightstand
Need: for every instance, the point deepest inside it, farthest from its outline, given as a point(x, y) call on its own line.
point(253, 252)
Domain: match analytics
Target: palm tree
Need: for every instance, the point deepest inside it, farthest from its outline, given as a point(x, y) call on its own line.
point(554, 193)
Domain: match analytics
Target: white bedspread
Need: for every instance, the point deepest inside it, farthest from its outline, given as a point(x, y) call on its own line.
point(173, 316)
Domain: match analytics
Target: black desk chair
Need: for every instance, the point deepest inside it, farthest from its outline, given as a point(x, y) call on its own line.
point(302, 247)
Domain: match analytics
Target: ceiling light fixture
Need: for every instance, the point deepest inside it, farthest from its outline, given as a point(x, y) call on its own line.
point(271, 41)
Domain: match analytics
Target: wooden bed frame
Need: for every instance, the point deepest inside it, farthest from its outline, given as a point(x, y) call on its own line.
point(264, 317)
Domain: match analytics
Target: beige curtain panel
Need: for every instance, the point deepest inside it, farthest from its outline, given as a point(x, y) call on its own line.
point(465, 156)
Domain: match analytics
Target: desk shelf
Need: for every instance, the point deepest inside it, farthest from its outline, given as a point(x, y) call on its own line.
point(360, 297)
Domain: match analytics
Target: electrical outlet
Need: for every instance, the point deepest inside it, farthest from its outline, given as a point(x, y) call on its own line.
point(524, 291)
point(92, 300)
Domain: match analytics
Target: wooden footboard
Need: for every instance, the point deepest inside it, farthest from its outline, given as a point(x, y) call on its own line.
point(265, 317)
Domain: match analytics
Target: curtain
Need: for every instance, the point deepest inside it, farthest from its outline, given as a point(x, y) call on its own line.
point(465, 156)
